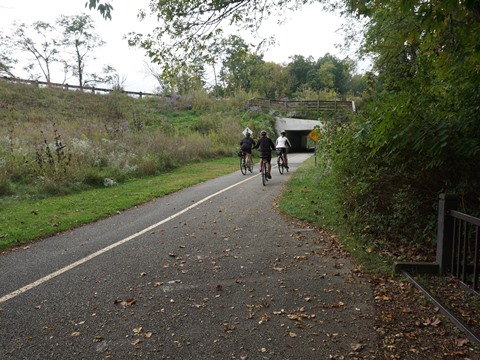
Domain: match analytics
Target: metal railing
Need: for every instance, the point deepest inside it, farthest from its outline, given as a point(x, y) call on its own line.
point(458, 243)
point(465, 263)
point(458, 252)
point(458, 246)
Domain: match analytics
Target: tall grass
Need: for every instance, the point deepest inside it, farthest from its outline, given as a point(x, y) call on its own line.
point(56, 141)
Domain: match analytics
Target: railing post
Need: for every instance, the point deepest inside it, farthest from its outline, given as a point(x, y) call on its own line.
point(445, 232)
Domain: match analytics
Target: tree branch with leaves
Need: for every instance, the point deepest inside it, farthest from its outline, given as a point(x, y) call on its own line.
point(105, 8)
point(188, 31)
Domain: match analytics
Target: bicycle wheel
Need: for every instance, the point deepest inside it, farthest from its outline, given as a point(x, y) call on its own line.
point(250, 166)
point(280, 164)
point(264, 172)
point(243, 165)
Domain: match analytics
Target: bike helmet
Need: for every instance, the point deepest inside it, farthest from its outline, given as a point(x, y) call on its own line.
point(263, 132)
point(282, 132)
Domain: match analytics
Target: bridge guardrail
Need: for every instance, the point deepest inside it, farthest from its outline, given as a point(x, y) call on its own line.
point(302, 106)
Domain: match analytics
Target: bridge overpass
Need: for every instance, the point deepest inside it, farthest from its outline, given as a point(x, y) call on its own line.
point(295, 117)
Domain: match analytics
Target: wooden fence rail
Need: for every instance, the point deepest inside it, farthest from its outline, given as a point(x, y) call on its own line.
point(92, 89)
point(306, 107)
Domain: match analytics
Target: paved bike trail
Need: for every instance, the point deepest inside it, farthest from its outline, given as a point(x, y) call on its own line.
point(223, 275)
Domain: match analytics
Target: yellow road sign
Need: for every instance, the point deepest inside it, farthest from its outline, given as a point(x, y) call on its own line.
point(314, 135)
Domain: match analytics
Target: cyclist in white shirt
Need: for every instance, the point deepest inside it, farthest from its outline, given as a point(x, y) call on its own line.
point(282, 143)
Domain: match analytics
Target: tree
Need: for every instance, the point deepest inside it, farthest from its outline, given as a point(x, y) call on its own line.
point(38, 40)
point(338, 72)
point(7, 61)
point(231, 54)
point(426, 56)
point(183, 82)
point(188, 29)
point(270, 80)
point(104, 8)
point(419, 133)
point(358, 84)
point(301, 71)
point(237, 62)
point(326, 75)
point(80, 40)
point(108, 75)
point(189, 32)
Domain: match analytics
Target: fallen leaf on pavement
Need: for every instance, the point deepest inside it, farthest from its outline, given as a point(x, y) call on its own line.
point(228, 329)
point(125, 303)
point(461, 342)
point(432, 322)
point(357, 346)
point(263, 319)
point(136, 342)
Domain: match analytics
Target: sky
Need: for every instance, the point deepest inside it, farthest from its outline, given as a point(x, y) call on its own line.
point(310, 32)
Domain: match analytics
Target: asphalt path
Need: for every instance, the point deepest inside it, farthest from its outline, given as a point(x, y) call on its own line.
point(211, 272)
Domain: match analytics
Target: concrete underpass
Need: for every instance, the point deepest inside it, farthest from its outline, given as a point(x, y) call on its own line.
point(296, 112)
point(297, 131)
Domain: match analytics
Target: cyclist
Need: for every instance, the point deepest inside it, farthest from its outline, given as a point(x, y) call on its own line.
point(282, 144)
point(246, 146)
point(265, 146)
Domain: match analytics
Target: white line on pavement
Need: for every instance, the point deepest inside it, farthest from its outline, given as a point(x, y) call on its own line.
point(112, 246)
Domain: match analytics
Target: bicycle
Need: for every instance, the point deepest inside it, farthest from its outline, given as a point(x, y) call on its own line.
point(281, 162)
point(243, 162)
point(264, 170)
point(249, 163)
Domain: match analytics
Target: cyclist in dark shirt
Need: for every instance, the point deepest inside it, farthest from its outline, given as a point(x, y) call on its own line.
point(265, 146)
point(246, 146)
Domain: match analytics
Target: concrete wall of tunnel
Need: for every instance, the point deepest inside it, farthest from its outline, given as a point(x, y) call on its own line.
point(297, 131)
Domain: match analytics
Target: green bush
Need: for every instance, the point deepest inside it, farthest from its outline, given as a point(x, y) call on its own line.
point(390, 192)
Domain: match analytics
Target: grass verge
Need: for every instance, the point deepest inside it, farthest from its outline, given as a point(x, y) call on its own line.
point(310, 195)
point(26, 221)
